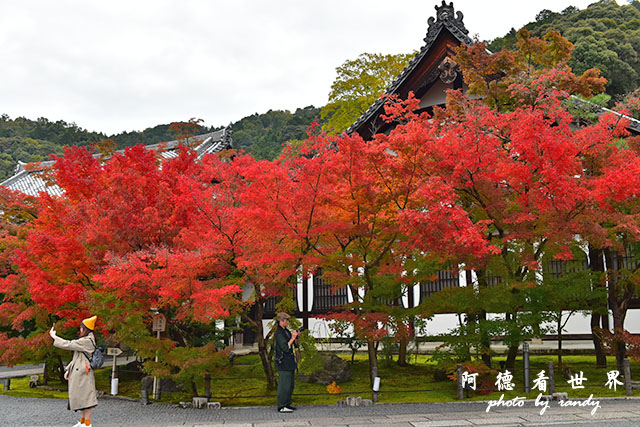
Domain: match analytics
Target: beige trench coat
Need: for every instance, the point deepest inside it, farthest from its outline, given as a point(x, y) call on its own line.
point(82, 385)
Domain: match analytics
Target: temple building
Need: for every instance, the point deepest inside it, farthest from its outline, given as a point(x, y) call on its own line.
point(28, 180)
point(429, 75)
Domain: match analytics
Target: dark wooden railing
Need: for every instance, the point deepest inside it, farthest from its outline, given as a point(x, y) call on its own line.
point(446, 279)
point(270, 304)
point(557, 268)
point(327, 298)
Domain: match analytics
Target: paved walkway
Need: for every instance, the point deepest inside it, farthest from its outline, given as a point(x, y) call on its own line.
point(116, 413)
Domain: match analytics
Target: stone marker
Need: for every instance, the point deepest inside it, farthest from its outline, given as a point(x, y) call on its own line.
point(199, 402)
point(34, 380)
point(354, 401)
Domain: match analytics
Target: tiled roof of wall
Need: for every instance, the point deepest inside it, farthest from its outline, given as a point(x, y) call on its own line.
point(29, 180)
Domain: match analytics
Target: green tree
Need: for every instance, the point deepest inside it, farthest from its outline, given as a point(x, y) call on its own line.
point(569, 287)
point(358, 84)
point(606, 36)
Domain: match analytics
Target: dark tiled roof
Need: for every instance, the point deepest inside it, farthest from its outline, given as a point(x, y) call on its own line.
point(633, 126)
point(30, 180)
point(446, 18)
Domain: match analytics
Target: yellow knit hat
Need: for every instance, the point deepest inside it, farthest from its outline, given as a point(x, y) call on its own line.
point(90, 323)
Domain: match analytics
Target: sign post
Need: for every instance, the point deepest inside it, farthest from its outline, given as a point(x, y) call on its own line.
point(159, 325)
point(115, 352)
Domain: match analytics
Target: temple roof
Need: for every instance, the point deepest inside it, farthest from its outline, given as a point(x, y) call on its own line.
point(28, 178)
point(450, 22)
point(446, 20)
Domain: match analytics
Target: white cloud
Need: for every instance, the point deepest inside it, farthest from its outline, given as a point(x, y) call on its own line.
point(125, 65)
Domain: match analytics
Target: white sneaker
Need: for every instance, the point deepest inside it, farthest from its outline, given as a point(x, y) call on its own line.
point(78, 424)
point(285, 409)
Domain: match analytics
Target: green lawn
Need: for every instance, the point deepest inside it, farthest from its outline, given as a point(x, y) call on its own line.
point(243, 384)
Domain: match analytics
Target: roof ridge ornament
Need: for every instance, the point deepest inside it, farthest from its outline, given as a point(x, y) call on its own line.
point(446, 15)
point(227, 136)
point(446, 18)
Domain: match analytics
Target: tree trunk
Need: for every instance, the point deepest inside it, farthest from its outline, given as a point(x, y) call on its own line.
point(373, 359)
point(619, 297)
point(60, 369)
point(262, 349)
point(194, 389)
point(620, 346)
point(511, 356)
point(597, 265)
point(406, 335)
point(465, 337)
point(560, 340)
point(485, 339)
point(601, 357)
point(45, 372)
point(402, 351)
point(255, 319)
point(207, 386)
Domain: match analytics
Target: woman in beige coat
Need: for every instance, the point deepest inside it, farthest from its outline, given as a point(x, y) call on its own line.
point(82, 385)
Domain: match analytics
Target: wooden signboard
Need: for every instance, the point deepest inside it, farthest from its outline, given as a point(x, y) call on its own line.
point(159, 322)
point(113, 351)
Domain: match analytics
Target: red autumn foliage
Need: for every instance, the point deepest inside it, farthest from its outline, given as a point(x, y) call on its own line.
point(632, 342)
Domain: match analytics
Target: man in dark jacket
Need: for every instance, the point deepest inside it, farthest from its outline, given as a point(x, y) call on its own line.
point(285, 362)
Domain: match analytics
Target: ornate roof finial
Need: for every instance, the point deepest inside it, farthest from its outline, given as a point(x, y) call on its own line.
point(446, 14)
point(444, 11)
point(226, 136)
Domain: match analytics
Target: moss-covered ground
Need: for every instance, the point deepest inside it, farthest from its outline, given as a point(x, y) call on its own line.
point(243, 384)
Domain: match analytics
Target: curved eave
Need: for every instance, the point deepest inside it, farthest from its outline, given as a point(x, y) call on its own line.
point(435, 32)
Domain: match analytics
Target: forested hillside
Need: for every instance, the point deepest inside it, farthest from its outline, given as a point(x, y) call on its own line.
point(26, 140)
point(263, 135)
point(34, 140)
point(605, 35)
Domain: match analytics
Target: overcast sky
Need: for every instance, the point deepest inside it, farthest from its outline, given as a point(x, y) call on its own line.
point(118, 65)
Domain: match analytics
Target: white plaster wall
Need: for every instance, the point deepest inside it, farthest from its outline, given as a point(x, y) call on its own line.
point(632, 322)
point(444, 323)
point(436, 94)
point(580, 323)
point(441, 323)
